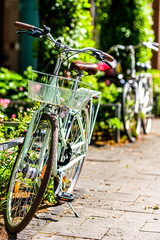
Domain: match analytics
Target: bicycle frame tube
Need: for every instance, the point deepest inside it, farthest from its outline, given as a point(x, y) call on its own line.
point(92, 121)
point(132, 55)
point(137, 97)
point(144, 94)
point(63, 143)
point(70, 164)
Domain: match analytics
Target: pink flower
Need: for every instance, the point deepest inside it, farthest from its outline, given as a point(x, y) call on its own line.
point(4, 102)
point(107, 82)
point(5, 105)
point(13, 115)
point(21, 88)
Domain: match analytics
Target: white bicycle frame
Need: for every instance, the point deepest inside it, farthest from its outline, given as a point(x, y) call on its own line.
point(142, 97)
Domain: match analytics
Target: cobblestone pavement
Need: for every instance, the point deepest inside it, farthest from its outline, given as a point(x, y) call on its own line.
point(117, 196)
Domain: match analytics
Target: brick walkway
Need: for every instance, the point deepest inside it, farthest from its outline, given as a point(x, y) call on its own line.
point(118, 197)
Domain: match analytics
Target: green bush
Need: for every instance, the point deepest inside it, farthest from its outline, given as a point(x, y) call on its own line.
point(156, 80)
point(8, 157)
point(127, 23)
point(70, 21)
point(13, 87)
point(156, 89)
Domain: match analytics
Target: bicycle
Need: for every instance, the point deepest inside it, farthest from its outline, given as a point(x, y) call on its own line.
point(137, 96)
point(137, 100)
point(58, 135)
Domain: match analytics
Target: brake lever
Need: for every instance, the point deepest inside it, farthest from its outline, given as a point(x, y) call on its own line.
point(97, 55)
point(33, 33)
point(23, 32)
point(37, 33)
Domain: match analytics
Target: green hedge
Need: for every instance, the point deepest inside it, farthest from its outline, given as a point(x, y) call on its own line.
point(70, 21)
point(126, 22)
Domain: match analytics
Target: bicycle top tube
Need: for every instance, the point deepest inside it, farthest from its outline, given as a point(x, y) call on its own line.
point(38, 32)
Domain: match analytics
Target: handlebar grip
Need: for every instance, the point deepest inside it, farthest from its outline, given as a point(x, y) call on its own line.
point(23, 26)
point(107, 57)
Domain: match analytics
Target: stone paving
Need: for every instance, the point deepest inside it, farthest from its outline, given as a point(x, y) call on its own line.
point(117, 196)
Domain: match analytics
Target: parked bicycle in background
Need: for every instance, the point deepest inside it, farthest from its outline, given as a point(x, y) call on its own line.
point(58, 134)
point(137, 96)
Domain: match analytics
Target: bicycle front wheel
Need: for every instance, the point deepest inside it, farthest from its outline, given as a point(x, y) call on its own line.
point(131, 118)
point(31, 173)
point(74, 155)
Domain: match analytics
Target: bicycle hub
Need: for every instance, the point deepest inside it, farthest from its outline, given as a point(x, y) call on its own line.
point(30, 172)
point(63, 112)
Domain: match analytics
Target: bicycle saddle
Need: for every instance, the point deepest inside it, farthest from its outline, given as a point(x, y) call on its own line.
point(90, 68)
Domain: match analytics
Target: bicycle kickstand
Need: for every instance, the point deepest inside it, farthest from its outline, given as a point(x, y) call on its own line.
point(68, 197)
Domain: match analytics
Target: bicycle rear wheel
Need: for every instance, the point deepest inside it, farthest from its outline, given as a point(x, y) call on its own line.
point(131, 119)
point(75, 153)
point(31, 173)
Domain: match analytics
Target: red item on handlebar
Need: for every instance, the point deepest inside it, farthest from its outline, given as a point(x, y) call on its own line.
point(103, 66)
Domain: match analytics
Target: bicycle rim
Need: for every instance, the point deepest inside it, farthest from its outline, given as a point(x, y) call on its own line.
point(29, 178)
point(77, 140)
point(131, 119)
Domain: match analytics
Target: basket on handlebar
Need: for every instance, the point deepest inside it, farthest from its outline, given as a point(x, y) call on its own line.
point(58, 90)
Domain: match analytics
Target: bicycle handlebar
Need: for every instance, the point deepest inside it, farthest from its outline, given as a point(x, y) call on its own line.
point(37, 32)
point(24, 26)
point(107, 57)
point(152, 45)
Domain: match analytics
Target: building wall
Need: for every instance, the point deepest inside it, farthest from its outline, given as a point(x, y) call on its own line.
point(156, 27)
point(10, 39)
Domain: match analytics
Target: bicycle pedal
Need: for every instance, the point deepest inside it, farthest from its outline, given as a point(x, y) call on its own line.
point(67, 197)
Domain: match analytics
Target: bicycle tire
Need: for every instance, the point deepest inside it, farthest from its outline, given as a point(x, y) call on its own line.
point(147, 114)
point(74, 136)
point(131, 120)
point(26, 189)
